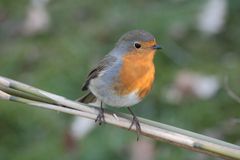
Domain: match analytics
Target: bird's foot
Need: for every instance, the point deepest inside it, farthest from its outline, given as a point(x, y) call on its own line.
point(100, 117)
point(135, 122)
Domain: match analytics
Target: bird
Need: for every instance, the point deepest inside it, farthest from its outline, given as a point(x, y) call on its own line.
point(124, 76)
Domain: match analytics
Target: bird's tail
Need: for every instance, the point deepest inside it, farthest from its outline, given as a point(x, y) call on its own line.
point(88, 98)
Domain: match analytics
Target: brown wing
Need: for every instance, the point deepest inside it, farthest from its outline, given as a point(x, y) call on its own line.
point(88, 98)
point(102, 65)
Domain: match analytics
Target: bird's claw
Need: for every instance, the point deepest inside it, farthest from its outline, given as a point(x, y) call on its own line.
point(135, 122)
point(100, 117)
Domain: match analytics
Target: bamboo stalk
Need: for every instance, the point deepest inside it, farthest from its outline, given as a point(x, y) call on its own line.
point(155, 130)
point(25, 95)
point(43, 95)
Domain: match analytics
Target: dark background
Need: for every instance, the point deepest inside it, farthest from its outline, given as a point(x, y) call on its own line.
point(53, 44)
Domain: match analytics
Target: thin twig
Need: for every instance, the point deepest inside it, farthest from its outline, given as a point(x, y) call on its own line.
point(155, 130)
point(230, 92)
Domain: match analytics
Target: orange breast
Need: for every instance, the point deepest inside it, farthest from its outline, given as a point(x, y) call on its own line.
point(136, 74)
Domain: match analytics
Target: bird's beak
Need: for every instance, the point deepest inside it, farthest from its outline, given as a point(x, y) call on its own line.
point(156, 46)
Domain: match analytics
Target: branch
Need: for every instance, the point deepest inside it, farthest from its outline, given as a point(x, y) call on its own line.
point(230, 92)
point(15, 91)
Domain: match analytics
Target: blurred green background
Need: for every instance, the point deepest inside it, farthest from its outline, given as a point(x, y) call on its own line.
point(53, 44)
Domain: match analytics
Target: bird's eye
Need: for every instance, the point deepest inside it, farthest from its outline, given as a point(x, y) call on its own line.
point(137, 45)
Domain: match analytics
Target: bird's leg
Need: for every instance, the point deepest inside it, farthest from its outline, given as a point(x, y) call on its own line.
point(136, 122)
point(100, 117)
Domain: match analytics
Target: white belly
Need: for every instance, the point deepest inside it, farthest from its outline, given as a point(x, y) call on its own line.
point(109, 96)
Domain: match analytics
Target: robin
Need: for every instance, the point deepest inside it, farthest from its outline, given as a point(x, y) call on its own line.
point(124, 76)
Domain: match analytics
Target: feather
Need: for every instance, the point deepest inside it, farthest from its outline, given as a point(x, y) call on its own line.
point(96, 71)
